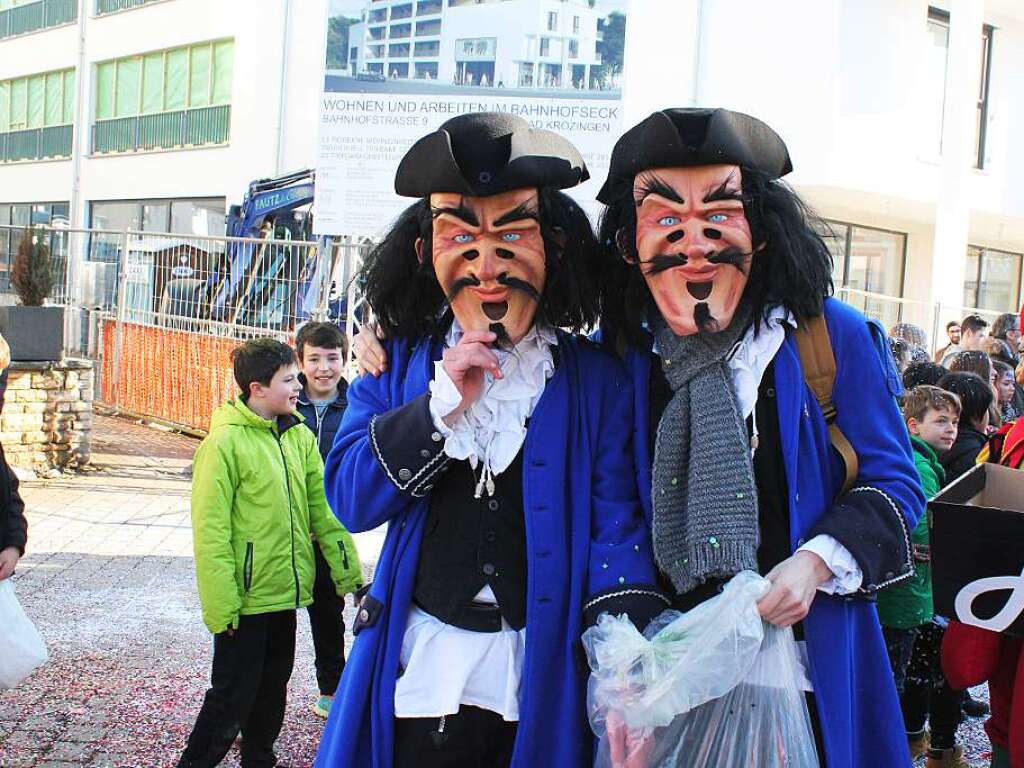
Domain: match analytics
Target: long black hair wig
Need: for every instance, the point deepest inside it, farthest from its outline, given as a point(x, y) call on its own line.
point(407, 299)
point(791, 266)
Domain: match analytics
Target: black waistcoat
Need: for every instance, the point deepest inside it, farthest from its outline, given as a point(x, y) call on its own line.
point(469, 543)
point(769, 476)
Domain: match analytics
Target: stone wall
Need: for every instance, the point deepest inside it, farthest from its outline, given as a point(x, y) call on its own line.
point(47, 415)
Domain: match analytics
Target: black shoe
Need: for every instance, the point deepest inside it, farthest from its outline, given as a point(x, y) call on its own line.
point(974, 708)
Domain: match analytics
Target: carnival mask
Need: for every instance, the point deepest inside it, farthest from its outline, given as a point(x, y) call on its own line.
point(488, 255)
point(693, 243)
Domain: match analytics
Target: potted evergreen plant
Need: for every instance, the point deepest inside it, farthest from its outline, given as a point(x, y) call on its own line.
point(33, 331)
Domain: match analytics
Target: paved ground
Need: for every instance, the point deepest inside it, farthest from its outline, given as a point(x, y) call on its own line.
point(109, 581)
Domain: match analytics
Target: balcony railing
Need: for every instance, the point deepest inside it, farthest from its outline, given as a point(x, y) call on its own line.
point(44, 14)
point(164, 130)
point(36, 144)
point(112, 6)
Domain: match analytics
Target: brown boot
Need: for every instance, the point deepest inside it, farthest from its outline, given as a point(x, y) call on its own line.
point(947, 758)
point(918, 743)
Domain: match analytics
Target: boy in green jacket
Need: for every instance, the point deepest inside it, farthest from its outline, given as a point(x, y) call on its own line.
point(257, 493)
point(905, 610)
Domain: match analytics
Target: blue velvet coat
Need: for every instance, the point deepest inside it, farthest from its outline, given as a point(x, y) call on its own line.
point(856, 698)
point(585, 535)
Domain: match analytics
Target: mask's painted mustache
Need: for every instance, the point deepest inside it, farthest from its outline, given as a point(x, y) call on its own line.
point(458, 285)
point(519, 285)
point(666, 261)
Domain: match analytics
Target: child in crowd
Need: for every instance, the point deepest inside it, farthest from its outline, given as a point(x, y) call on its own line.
point(905, 610)
point(322, 350)
point(257, 492)
point(976, 397)
point(922, 373)
point(1006, 389)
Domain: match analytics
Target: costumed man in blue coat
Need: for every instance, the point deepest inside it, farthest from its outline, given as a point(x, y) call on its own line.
point(498, 450)
point(720, 274)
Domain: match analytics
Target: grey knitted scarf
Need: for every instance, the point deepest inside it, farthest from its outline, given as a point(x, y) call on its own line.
point(704, 494)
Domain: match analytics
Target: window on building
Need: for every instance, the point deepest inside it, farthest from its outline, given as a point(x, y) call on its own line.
point(545, 46)
point(935, 82)
point(398, 31)
point(552, 21)
point(19, 17)
point(992, 279)
point(574, 49)
point(36, 116)
point(20, 215)
point(525, 74)
point(166, 99)
point(869, 260)
point(112, 6)
point(575, 25)
point(198, 217)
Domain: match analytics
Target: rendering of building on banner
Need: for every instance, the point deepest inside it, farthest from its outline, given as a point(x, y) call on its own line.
point(509, 44)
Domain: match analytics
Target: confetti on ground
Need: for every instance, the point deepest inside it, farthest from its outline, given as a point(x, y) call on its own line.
point(109, 581)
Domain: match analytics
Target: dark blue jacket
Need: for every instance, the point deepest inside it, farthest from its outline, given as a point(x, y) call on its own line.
point(853, 685)
point(585, 537)
point(324, 428)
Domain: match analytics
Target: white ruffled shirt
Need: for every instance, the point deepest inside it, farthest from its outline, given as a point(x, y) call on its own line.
point(445, 666)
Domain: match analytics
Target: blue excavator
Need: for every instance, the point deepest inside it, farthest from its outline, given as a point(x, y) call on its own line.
point(271, 286)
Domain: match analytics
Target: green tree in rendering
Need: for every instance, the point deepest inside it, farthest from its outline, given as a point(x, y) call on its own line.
point(337, 41)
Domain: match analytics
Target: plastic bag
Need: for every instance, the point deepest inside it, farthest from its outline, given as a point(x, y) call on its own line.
point(21, 646)
point(715, 687)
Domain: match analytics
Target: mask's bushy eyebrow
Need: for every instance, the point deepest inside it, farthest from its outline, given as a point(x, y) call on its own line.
point(462, 212)
point(724, 192)
point(652, 184)
point(525, 210)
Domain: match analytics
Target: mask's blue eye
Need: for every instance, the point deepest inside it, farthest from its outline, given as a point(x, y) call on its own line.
point(668, 221)
point(463, 238)
point(510, 237)
point(717, 218)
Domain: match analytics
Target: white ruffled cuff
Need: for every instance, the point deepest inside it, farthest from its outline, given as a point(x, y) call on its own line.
point(444, 398)
point(846, 574)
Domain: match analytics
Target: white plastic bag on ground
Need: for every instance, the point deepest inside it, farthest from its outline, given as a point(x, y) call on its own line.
point(21, 646)
point(715, 687)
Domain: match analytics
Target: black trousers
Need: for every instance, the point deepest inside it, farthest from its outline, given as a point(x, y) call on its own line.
point(248, 686)
point(328, 626)
point(926, 694)
point(471, 738)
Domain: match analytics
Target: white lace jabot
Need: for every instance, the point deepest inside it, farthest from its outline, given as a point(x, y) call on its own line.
point(491, 431)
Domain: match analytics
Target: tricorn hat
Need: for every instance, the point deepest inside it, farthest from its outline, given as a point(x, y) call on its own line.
point(487, 153)
point(687, 137)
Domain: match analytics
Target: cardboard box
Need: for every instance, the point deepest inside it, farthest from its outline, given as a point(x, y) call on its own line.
point(977, 549)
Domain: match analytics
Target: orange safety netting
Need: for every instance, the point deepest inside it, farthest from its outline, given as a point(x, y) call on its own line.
point(176, 376)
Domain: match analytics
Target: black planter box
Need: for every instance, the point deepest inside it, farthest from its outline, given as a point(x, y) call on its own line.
point(33, 333)
point(977, 548)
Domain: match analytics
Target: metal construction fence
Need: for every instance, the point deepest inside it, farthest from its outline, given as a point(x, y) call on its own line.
point(159, 313)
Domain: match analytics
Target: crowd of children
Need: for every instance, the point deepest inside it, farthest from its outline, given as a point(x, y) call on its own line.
point(958, 413)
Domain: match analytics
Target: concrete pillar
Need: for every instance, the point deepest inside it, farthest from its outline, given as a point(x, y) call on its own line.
point(952, 213)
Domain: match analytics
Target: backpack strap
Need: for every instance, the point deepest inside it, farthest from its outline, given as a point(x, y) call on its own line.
point(819, 364)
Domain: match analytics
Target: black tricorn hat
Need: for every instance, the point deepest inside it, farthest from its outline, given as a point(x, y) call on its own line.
point(487, 153)
point(692, 136)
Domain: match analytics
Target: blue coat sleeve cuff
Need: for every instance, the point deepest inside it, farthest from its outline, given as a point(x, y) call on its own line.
point(408, 447)
point(640, 602)
point(869, 523)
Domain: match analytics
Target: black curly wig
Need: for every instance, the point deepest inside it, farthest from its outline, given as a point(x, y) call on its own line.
point(791, 267)
point(407, 300)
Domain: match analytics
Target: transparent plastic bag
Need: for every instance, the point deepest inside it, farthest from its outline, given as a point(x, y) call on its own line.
point(21, 646)
point(715, 687)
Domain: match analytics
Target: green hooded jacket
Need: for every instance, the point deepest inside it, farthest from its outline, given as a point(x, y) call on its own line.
point(909, 603)
point(257, 494)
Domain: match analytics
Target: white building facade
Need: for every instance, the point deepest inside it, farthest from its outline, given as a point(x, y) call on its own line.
point(151, 114)
point(514, 43)
point(902, 117)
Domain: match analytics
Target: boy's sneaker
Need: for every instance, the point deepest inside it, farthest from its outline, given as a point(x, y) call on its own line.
point(947, 758)
point(322, 706)
point(973, 707)
point(918, 743)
